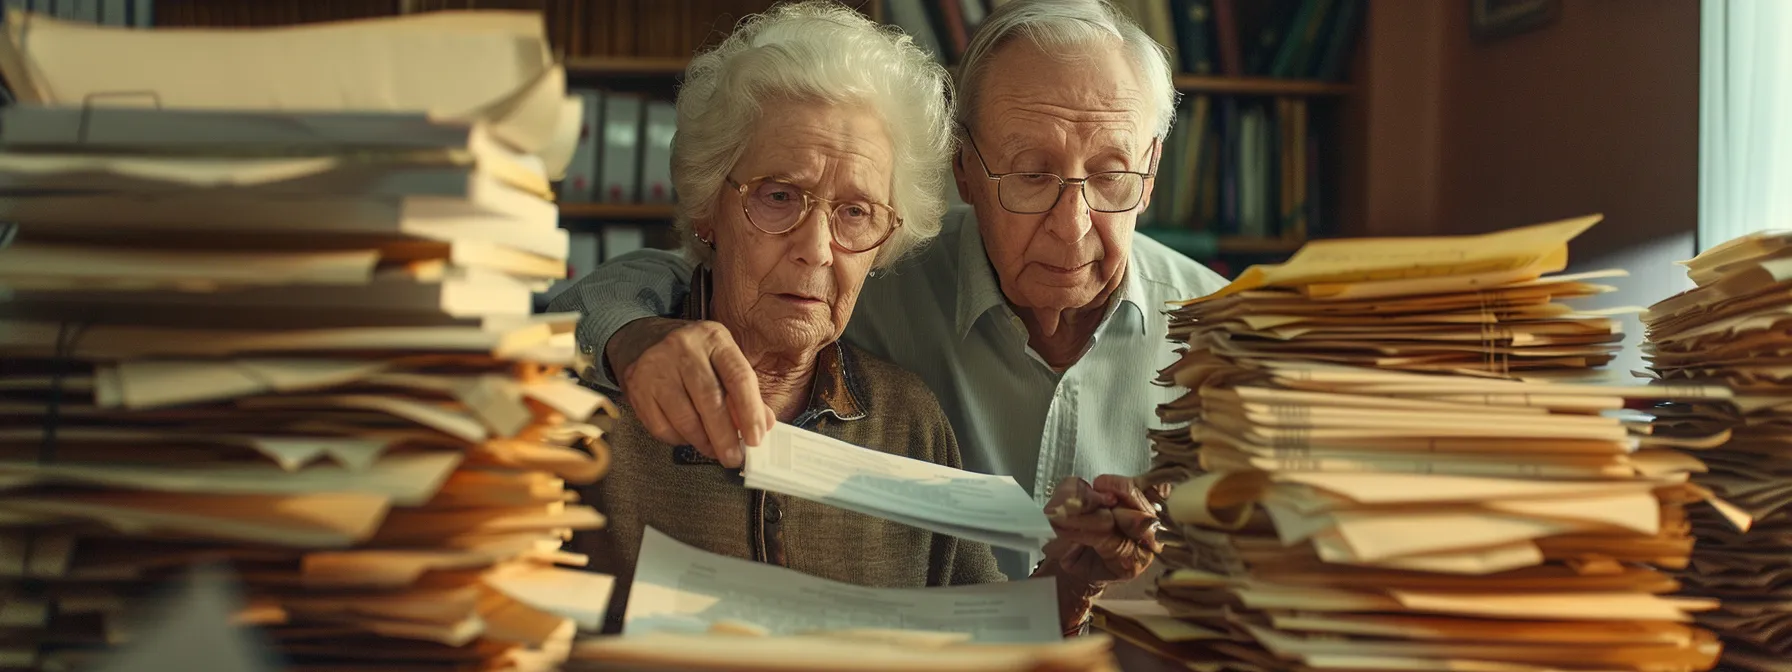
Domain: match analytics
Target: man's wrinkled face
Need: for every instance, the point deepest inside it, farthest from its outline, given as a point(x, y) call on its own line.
point(1072, 115)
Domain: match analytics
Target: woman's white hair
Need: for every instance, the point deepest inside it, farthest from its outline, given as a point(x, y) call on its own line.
point(1068, 27)
point(823, 52)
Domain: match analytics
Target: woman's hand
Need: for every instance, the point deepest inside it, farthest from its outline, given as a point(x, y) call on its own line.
point(1107, 533)
point(689, 383)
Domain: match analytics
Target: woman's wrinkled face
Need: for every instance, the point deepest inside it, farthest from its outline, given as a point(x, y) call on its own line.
point(794, 291)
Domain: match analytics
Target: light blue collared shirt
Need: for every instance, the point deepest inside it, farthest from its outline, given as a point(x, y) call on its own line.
point(942, 315)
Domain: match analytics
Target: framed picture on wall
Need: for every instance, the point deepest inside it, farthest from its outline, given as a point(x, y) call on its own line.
point(1488, 19)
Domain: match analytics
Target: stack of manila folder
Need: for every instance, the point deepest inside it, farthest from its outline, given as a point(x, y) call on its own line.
point(1398, 457)
point(269, 305)
point(1731, 330)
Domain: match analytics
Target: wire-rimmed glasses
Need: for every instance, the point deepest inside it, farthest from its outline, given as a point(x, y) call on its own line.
point(1031, 193)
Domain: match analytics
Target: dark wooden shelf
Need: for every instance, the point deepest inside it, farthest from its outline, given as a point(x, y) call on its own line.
point(617, 211)
point(625, 67)
point(1202, 244)
point(1265, 86)
point(1254, 245)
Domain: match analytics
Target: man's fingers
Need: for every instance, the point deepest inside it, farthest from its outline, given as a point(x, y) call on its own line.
point(1059, 547)
point(1074, 497)
point(1138, 526)
point(1097, 522)
point(1124, 492)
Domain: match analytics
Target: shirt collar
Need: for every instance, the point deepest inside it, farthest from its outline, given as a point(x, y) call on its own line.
point(835, 388)
point(980, 292)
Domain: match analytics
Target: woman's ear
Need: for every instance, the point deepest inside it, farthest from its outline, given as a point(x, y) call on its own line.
point(704, 230)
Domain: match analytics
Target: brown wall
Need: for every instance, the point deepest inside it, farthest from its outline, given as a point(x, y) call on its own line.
point(1597, 112)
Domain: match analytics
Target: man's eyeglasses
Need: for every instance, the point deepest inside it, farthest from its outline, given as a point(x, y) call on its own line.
point(1034, 193)
point(777, 207)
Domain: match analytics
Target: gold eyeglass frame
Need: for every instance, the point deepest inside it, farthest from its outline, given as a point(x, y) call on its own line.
point(808, 205)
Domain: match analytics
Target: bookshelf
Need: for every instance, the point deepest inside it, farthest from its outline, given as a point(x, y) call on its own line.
point(1260, 86)
point(602, 67)
point(1261, 64)
point(654, 212)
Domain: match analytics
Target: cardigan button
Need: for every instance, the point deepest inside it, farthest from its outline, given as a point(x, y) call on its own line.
point(773, 512)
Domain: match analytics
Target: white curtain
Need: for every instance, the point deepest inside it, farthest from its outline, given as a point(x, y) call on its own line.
point(1745, 118)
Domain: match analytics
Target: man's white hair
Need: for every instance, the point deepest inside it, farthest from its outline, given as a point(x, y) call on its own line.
point(820, 52)
point(1068, 27)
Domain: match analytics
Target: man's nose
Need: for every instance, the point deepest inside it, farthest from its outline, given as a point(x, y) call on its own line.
point(1069, 219)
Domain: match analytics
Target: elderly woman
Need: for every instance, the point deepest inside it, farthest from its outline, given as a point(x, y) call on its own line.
point(810, 150)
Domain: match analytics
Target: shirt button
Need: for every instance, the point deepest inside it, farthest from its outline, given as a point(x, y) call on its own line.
point(773, 512)
point(585, 349)
point(1049, 489)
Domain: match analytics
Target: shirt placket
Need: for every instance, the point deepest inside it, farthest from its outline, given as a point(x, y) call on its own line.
point(1057, 446)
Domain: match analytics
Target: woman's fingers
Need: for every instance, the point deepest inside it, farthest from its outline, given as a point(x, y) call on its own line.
point(740, 389)
point(713, 420)
point(703, 390)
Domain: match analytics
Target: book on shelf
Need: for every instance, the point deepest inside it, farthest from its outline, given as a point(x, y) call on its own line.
point(1235, 166)
point(580, 182)
point(1283, 39)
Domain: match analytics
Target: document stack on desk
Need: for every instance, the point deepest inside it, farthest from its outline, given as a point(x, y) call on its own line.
point(269, 305)
point(1398, 469)
point(937, 498)
point(690, 610)
point(1731, 329)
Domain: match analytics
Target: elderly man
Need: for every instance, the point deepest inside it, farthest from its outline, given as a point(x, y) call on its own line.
point(1036, 318)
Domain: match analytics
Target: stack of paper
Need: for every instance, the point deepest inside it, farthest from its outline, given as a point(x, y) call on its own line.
point(283, 322)
point(980, 507)
point(1731, 329)
point(1389, 468)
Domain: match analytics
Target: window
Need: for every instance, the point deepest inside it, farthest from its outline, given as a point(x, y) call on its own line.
point(1745, 119)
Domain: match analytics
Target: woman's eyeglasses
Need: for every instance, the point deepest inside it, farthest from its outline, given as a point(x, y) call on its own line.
point(777, 207)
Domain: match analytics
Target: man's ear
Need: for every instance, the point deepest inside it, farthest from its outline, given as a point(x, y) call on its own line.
point(1151, 184)
point(958, 176)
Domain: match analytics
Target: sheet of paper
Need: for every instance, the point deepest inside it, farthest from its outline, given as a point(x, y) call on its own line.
point(75, 265)
point(801, 463)
point(1541, 248)
point(681, 589)
point(490, 65)
point(833, 652)
point(579, 595)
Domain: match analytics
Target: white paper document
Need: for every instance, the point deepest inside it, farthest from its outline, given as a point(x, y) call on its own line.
point(980, 507)
point(678, 588)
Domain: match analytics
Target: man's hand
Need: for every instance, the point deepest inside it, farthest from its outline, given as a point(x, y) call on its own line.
point(1107, 533)
point(689, 384)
